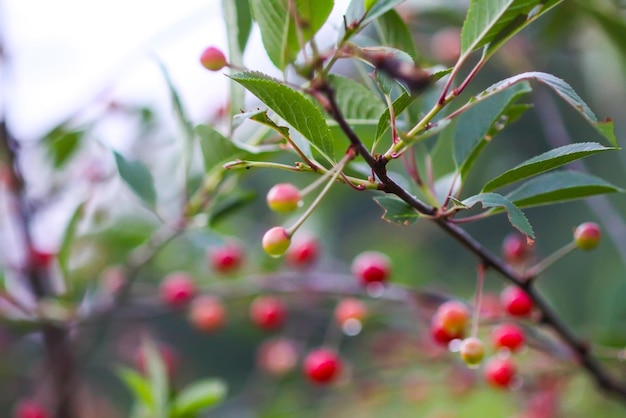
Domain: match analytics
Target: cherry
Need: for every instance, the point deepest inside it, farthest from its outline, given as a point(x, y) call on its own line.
point(213, 59)
point(207, 313)
point(284, 197)
point(177, 289)
point(499, 372)
point(452, 316)
point(322, 366)
point(587, 236)
point(303, 253)
point(28, 408)
point(277, 356)
point(276, 241)
point(516, 302)
point(508, 336)
point(226, 259)
point(268, 312)
point(371, 267)
point(441, 336)
point(472, 351)
point(515, 249)
point(350, 309)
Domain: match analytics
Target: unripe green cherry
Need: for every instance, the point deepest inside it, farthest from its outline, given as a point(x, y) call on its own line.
point(472, 351)
point(213, 59)
point(276, 241)
point(587, 236)
point(284, 197)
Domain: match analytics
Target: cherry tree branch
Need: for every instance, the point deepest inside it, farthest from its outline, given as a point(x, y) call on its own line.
point(549, 317)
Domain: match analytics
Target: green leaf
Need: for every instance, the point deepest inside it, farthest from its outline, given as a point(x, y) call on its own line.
point(397, 211)
point(355, 100)
point(560, 186)
point(156, 371)
point(177, 104)
point(199, 395)
point(216, 149)
point(279, 33)
point(494, 200)
point(238, 17)
point(138, 385)
point(68, 239)
point(138, 178)
point(62, 143)
point(473, 125)
point(226, 204)
point(567, 93)
point(358, 16)
point(394, 32)
point(491, 22)
point(295, 108)
point(545, 162)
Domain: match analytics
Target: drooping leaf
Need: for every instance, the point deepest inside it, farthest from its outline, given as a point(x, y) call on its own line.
point(358, 16)
point(279, 32)
point(199, 396)
point(138, 385)
point(238, 18)
point(62, 143)
point(560, 186)
point(473, 125)
point(216, 148)
point(355, 100)
point(394, 32)
point(514, 213)
point(68, 239)
point(491, 22)
point(291, 105)
point(567, 93)
point(397, 211)
point(177, 105)
point(137, 176)
point(545, 162)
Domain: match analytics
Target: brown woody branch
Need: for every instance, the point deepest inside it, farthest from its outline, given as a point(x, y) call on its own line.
point(549, 317)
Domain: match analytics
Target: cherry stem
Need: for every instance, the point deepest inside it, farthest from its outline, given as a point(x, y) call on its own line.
point(336, 171)
point(480, 281)
point(541, 266)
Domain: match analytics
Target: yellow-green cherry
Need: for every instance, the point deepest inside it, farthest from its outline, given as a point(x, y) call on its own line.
point(276, 241)
point(284, 198)
point(587, 236)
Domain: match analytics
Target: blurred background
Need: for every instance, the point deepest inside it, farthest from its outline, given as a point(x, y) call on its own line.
point(82, 79)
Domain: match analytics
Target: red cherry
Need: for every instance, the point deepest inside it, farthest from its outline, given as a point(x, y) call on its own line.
point(371, 266)
point(277, 356)
point(168, 355)
point(207, 313)
point(515, 249)
point(499, 372)
point(276, 241)
point(516, 302)
point(177, 289)
point(284, 197)
point(226, 259)
point(508, 336)
point(268, 312)
point(322, 366)
point(587, 235)
point(213, 59)
point(28, 408)
point(441, 336)
point(303, 253)
point(350, 308)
